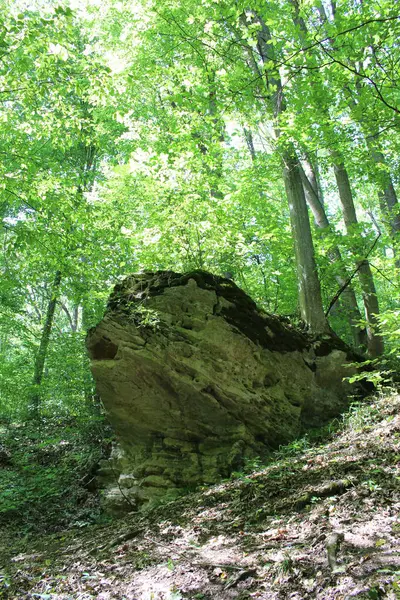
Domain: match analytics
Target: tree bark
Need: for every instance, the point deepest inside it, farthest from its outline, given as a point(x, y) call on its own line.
point(374, 341)
point(40, 359)
point(370, 298)
point(309, 290)
point(92, 399)
point(314, 177)
point(388, 200)
point(72, 318)
point(248, 136)
point(348, 296)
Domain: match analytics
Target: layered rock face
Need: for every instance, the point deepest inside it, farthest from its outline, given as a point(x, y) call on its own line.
point(196, 379)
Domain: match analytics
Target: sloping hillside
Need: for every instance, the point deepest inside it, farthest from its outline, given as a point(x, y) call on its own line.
point(321, 521)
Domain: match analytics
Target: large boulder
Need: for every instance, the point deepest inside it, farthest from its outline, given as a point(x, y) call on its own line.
point(196, 379)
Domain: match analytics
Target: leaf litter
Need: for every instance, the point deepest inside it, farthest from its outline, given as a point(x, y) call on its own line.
point(321, 522)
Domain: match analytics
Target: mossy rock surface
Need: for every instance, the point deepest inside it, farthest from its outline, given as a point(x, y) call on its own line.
point(196, 379)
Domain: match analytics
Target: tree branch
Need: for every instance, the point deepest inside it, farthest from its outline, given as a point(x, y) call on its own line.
point(347, 283)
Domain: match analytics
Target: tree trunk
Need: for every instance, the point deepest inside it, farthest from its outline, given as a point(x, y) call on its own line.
point(40, 358)
point(388, 200)
point(374, 341)
point(248, 136)
point(348, 296)
point(210, 142)
point(75, 318)
point(92, 398)
point(314, 177)
point(370, 298)
point(387, 194)
point(310, 299)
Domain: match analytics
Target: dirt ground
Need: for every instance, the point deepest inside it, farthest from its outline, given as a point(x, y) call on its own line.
point(319, 522)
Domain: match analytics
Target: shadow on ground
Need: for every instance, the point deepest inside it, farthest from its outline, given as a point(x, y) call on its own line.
point(321, 522)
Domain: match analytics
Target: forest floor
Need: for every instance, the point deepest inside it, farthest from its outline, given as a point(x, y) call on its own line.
point(320, 521)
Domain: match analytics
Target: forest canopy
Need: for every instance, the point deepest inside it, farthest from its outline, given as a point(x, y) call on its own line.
point(258, 141)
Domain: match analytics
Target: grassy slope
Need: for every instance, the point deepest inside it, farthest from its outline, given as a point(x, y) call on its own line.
point(263, 535)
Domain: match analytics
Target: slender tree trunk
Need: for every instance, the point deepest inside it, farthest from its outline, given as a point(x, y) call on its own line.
point(92, 399)
point(309, 290)
point(310, 299)
point(75, 318)
point(348, 296)
point(210, 142)
point(374, 341)
point(314, 177)
point(370, 298)
point(3, 344)
point(302, 236)
point(41, 355)
point(72, 317)
point(388, 200)
point(248, 136)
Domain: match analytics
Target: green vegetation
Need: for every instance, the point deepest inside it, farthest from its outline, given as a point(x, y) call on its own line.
point(318, 521)
point(172, 136)
point(258, 140)
point(47, 474)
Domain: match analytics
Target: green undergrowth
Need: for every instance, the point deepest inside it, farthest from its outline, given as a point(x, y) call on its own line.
point(47, 472)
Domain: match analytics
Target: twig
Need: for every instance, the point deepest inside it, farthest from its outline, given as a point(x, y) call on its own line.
point(125, 537)
point(383, 275)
